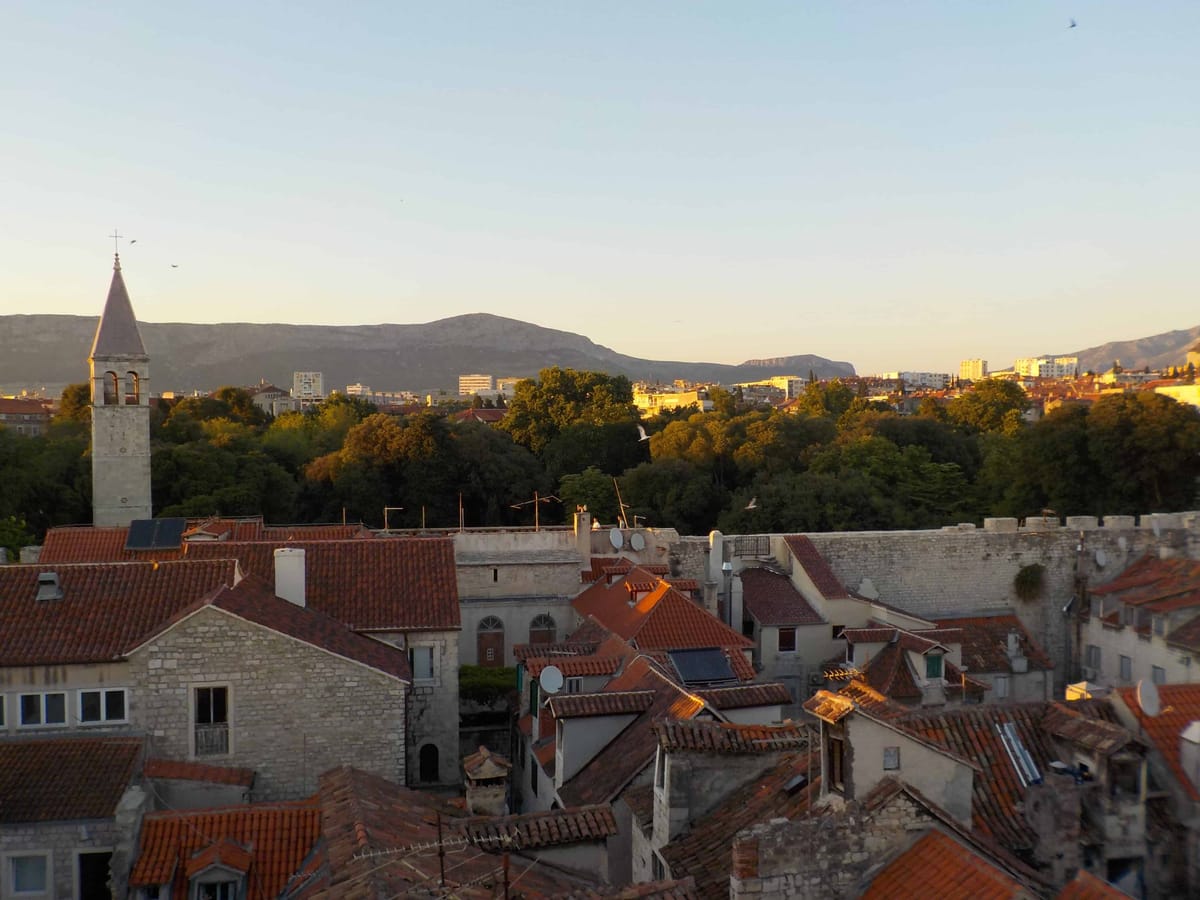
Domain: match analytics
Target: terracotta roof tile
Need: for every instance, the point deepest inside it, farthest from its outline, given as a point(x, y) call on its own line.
point(866, 697)
point(388, 584)
point(1096, 735)
point(1085, 886)
point(945, 869)
point(574, 666)
point(105, 610)
point(741, 696)
point(829, 707)
point(551, 828)
point(703, 736)
point(565, 649)
point(1180, 705)
point(772, 599)
point(278, 835)
point(180, 770)
point(608, 703)
point(817, 569)
point(224, 852)
point(705, 851)
point(640, 800)
point(65, 778)
point(985, 643)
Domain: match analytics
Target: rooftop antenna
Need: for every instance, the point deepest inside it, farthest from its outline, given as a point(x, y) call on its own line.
point(385, 515)
point(621, 505)
point(537, 501)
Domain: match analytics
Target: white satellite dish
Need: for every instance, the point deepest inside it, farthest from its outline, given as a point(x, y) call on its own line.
point(1147, 697)
point(616, 538)
point(1101, 557)
point(637, 542)
point(551, 679)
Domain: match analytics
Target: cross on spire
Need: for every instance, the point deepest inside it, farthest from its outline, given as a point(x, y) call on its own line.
point(116, 249)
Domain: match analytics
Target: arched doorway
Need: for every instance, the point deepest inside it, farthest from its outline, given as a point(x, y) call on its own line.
point(428, 763)
point(543, 630)
point(490, 642)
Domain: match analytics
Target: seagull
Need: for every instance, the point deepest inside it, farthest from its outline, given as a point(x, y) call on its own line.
point(1072, 25)
point(134, 241)
point(174, 265)
point(642, 436)
point(753, 504)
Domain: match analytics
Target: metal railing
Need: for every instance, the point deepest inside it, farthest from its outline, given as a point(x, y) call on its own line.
point(212, 740)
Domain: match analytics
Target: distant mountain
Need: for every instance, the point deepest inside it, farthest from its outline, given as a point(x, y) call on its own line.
point(52, 350)
point(1158, 351)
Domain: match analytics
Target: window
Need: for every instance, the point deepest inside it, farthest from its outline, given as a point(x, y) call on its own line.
point(217, 890)
point(490, 641)
point(43, 709)
point(542, 630)
point(1092, 657)
point(133, 391)
point(421, 660)
point(787, 640)
point(1160, 625)
point(836, 761)
point(1126, 668)
point(658, 870)
point(429, 763)
point(211, 711)
point(933, 666)
point(891, 758)
point(1096, 607)
point(102, 705)
point(837, 631)
point(1000, 687)
point(533, 770)
point(495, 575)
point(1158, 674)
point(574, 685)
point(28, 873)
point(112, 388)
point(660, 769)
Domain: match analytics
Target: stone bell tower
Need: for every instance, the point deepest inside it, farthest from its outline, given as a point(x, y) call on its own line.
point(120, 371)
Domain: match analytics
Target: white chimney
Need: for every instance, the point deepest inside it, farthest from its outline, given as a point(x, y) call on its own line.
point(289, 575)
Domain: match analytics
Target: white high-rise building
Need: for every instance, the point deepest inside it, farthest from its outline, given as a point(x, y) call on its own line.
point(973, 369)
point(1047, 366)
point(308, 387)
point(474, 384)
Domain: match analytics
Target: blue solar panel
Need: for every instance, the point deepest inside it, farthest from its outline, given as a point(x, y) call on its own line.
point(155, 534)
point(706, 666)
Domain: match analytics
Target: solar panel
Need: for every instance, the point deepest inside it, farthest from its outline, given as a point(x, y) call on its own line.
point(155, 534)
point(705, 666)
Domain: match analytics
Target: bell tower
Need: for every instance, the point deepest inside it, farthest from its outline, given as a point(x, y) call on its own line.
point(120, 372)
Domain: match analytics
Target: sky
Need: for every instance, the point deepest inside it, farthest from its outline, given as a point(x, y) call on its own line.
point(897, 185)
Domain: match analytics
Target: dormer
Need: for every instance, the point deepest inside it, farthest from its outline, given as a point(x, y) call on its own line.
point(48, 587)
point(218, 872)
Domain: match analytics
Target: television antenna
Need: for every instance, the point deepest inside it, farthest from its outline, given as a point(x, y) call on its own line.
point(536, 502)
point(551, 680)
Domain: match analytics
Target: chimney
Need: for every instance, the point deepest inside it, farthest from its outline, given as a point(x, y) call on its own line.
point(1016, 656)
point(583, 535)
point(289, 575)
point(48, 587)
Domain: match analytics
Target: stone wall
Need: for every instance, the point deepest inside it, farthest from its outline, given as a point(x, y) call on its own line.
point(433, 706)
point(63, 841)
point(295, 710)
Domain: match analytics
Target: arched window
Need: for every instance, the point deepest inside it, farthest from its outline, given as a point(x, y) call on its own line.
point(542, 630)
point(112, 389)
point(133, 389)
point(490, 641)
point(428, 757)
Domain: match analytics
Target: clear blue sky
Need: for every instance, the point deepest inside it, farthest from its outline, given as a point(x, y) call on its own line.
point(900, 185)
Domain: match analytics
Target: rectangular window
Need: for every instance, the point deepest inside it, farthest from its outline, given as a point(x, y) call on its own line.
point(1000, 687)
point(1096, 607)
point(836, 761)
point(29, 873)
point(99, 706)
point(217, 890)
point(787, 640)
point(660, 770)
point(1092, 657)
point(1126, 668)
point(421, 660)
point(933, 666)
point(1158, 674)
point(837, 631)
point(1160, 625)
point(533, 772)
point(891, 758)
point(574, 685)
point(211, 710)
point(43, 709)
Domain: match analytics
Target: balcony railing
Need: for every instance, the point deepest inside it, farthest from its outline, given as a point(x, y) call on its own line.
point(212, 740)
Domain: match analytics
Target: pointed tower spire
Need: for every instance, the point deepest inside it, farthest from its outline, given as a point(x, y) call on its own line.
point(117, 334)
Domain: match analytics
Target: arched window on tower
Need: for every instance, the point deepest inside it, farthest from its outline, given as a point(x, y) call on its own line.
point(490, 642)
point(133, 389)
point(542, 630)
point(112, 389)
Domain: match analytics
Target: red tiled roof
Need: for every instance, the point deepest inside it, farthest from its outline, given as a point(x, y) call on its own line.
point(65, 778)
point(180, 770)
point(985, 643)
point(772, 599)
point(279, 836)
point(619, 762)
point(705, 852)
point(866, 697)
point(542, 829)
point(890, 673)
point(640, 800)
point(817, 569)
point(574, 666)
point(741, 696)
point(388, 584)
point(1096, 735)
point(106, 609)
point(224, 852)
point(1186, 635)
point(1085, 886)
point(1159, 585)
point(1180, 705)
point(18, 406)
point(608, 703)
point(565, 649)
point(489, 416)
point(946, 869)
point(703, 736)
point(829, 707)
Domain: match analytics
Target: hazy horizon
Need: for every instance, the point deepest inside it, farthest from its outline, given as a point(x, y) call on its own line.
point(896, 187)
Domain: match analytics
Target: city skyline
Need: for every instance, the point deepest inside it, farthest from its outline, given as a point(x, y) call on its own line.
point(898, 188)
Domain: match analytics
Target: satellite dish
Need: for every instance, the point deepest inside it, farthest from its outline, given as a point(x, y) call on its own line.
point(616, 538)
point(551, 679)
point(1101, 557)
point(637, 542)
point(1147, 697)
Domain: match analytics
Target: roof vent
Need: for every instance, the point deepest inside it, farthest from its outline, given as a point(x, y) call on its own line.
point(48, 587)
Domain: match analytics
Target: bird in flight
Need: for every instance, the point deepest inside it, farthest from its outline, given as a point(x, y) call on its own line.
point(1072, 25)
point(134, 241)
point(174, 265)
point(753, 504)
point(642, 436)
